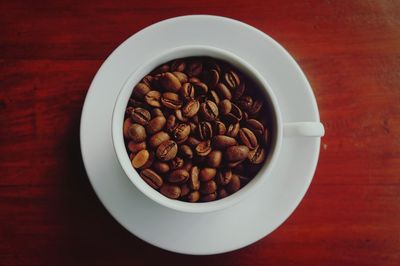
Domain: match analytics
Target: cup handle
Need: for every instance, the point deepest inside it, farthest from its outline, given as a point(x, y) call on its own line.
point(303, 129)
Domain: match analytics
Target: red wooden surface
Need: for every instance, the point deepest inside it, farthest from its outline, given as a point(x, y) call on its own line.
point(49, 53)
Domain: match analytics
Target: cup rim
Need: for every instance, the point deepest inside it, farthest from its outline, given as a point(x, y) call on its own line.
point(118, 119)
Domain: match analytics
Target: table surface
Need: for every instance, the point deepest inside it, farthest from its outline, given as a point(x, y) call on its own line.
point(50, 52)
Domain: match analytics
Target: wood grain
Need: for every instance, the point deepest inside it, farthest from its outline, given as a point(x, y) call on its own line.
point(49, 53)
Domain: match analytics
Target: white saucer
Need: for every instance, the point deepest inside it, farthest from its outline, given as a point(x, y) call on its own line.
point(229, 229)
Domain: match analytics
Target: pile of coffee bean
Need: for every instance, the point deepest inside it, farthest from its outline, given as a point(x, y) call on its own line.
point(196, 129)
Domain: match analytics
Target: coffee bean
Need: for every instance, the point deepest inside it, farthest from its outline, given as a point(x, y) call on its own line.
point(171, 123)
point(234, 184)
point(219, 128)
point(248, 138)
point(193, 142)
point(194, 68)
point(185, 190)
point(208, 197)
point(208, 187)
point(265, 137)
point(211, 78)
point(170, 191)
point(160, 167)
point(225, 107)
point(140, 90)
point(203, 148)
point(156, 124)
point(239, 91)
point(158, 138)
point(200, 87)
point(170, 82)
point(206, 174)
point(236, 153)
point(257, 155)
point(181, 132)
point(167, 150)
point(205, 130)
point(223, 91)
point(193, 126)
point(176, 163)
point(156, 112)
point(182, 77)
point(235, 115)
point(161, 69)
point(214, 159)
point(178, 176)
point(180, 116)
point(194, 80)
point(148, 80)
point(193, 181)
point(255, 126)
point(222, 193)
point(186, 151)
point(152, 98)
point(209, 110)
point(187, 91)
point(224, 176)
point(231, 80)
point(171, 100)
point(245, 102)
point(222, 142)
point(127, 125)
point(233, 130)
point(256, 107)
point(214, 97)
point(140, 116)
point(193, 196)
point(151, 178)
point(191, 108)
point(178, 65)
point(136, 147)
point(140, 159)
point(137, 133)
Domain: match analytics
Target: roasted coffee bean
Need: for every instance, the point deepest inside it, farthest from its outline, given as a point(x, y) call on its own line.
point(209, 110)
point(222, 193)
point(140, 90)
point(191, 108)
point(140, 159)
point(148, 80)
point(160, 167)
point(219, 128)
point(231, 80)
point(233, 130)
point(187, 91)
point(222, 142)
point(158, 138)
point(151, 178)
point(127, 125)
point(170, 191)
point(178, 176)
point(208, 197)
point(140, 116)
point(152, 98)
point(200, 88)
point(171, 123)
point(193, 196)
point(244, 180)
point(239, 169)
point(193, 142)
point(205, 130)
point(194, 80)
point(136, 147)
point(170, 82)
point(233, 185)
point(245, 102)
point(225, 107)
point(239, 91)
point(193, 126)
point(156, 112)
point(255, 126)
point(236, 153)
point(178, 65)
point(206, 174)
point(181, 132)
point(208, 187)
point(257, 155)
point(187, 165)
point(161, 69)
point(167, 150)
point(211, 78)
point(203, 148)
point(248, 138)
point(193, 181)
point(256, 107)
point(137, 133)
point(194, 68)
point(214, 159)
point(136, 103)
point(195, 119)
point(176, 163)
point(180, 116)
point(185, 190)
point(186, 151)
point(224, 176)
point(223, 91)
point(182, 77)
point(235, 115)
point(156, 124)
point(214, 97)
point(171, 100)
point(265, 137)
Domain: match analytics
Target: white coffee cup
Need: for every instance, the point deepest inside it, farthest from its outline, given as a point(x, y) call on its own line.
point(279, 131)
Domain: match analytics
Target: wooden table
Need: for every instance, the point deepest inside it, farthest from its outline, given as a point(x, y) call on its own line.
point(49, 52)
